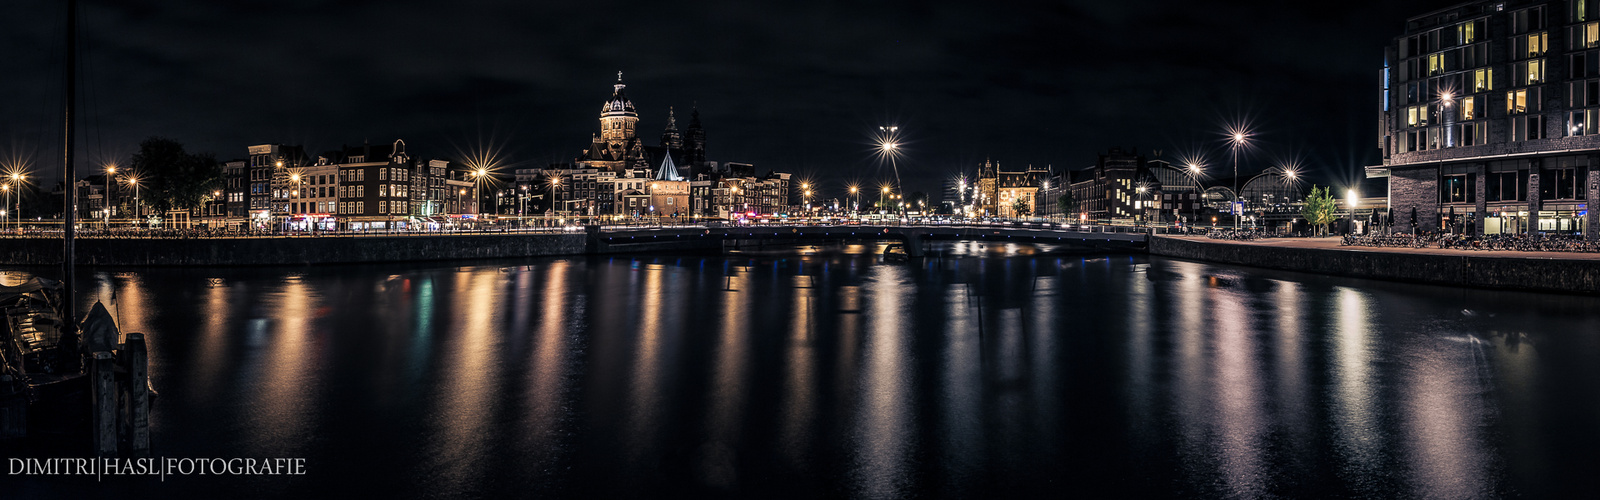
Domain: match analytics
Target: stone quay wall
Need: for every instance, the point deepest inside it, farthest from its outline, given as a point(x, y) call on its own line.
point(1513, 273)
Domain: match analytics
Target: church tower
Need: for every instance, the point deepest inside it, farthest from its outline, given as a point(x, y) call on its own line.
point(695, 142)
point(671, 139)
point(618, 118)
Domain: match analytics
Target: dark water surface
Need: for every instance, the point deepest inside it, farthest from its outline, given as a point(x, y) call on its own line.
point(997, 371)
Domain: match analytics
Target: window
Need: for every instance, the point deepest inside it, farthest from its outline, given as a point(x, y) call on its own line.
point(1481, 80)
point(1456, 188)
point(1522, 101)
point(1584, 10)
point(361, 191)
point(1416, 116)
point(1435, 64)
point(383, 174)
point(1469, 108)
point(1526, 20)
point(383, 207)
point(361, 207)
point(1527, 128)
point(1558, 184)
point(1582, 122)
point(1585, 36)
point(1529, 72)
point(1532, 45)
point(1469, 31)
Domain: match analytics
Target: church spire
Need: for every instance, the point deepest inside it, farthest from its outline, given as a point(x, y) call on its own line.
point(670, 138)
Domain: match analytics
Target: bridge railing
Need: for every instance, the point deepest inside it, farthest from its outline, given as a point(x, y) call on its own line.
point(509, 229)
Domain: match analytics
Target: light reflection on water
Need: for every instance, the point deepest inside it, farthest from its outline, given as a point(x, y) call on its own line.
point(987, 370)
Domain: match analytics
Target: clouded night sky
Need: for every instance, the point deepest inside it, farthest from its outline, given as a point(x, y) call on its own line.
point(797, 86)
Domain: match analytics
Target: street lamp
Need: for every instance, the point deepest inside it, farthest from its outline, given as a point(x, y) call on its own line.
point(138, 208)
point(1144, 207)
point(554, 181)
point(854, 191)
point(294, 180)
point(111, 170)
point(1194, 171)
point(6, 188)
point(889, 145)
point(1239, 137)
point(1350, 201)
point(16, 180)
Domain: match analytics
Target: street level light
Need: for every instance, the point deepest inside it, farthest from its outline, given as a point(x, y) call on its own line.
point(1239, 137)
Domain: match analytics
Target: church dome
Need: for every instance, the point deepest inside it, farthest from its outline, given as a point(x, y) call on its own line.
point(618, 105)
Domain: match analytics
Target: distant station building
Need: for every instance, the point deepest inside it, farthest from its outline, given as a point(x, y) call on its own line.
point(1489, 118)
point(1000, 190)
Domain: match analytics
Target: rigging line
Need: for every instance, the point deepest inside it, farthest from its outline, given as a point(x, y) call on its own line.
point(45, 124)
point(92, 102)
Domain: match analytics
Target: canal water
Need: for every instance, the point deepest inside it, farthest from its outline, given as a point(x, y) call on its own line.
point(986, 370)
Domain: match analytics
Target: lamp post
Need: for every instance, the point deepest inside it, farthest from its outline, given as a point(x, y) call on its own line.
point(1238, 140)
point(856, 192)
point(1144, 207)
point(889, 144)
point(7, 189)
point(522, 206)
point(294, 193)
point(1350, 201)
point(16, 180)
point(111, 170)
point(1194, 171)
point(554, 183)
point(138, 208)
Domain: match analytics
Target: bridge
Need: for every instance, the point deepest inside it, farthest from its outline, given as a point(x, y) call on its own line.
point(624, 239)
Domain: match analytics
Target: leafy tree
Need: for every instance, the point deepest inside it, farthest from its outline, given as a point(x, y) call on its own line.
point(1021, 208)
point(1319, 208)
point(1066, 203)
point(174, 178)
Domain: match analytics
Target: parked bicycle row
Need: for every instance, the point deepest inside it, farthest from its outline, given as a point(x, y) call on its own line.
point(1505, 242)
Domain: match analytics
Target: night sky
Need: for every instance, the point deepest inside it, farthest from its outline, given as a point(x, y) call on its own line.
point(795, 86)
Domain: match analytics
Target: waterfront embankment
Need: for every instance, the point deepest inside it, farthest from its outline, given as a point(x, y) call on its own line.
point(1531, 271)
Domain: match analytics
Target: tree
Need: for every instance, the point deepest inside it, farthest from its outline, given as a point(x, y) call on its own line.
point(1021, 208)
point(1066, 203)
point(173, 178)
point(1319, 208)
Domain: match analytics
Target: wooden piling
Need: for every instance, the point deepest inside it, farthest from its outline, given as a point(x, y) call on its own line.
point(138, 395)
point(103, 390)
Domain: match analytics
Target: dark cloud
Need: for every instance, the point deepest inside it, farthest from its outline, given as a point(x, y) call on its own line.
point(793, 86)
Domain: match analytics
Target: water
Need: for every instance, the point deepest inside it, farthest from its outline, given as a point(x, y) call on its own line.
point(828, 373)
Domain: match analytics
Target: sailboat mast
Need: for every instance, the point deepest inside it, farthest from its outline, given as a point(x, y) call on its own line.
point(70, 197)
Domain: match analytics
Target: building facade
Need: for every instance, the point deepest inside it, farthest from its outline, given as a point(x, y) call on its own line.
point(999, 191)
point(1488, 119)
point(1118, 188)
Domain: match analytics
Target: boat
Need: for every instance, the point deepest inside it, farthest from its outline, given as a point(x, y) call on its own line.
point(39, 360)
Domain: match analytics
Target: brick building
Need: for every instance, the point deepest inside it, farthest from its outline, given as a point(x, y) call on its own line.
point(1488, 118)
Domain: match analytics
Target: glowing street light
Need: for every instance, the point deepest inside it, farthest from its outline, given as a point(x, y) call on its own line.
point(1239, 137)
point(855, 191)
point(889, 147)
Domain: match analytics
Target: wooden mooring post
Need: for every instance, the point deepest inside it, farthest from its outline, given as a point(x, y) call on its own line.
point(103, 391)
point(137, 394)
